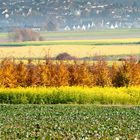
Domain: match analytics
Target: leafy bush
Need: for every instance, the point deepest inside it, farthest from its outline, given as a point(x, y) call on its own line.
point(8, 73)
point(65, 56)
point(101, 74)
point(128, 74)
point(80, 75)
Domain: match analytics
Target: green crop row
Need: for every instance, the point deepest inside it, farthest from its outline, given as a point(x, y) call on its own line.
point(67, 95)
point(67, 122)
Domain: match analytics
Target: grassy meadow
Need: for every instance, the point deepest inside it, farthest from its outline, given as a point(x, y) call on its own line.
point(94, 34)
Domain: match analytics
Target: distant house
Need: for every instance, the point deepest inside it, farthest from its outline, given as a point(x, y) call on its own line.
point(78, 27)
point(116, 25)
point(83, 27)
point(67, 28)
point(88, 26)
point(92, 24)
point(112, 26)
point(74, 27)
point(51, 26)
point(37, 29)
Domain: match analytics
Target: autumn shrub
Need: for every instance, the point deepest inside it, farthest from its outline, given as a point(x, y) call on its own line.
point(44, 75)
point(134, 72)
point(53, 73)
point(8, 73)
point(21, 74)
point(85, 77)
point(128, 74)
point(74, 75)
point(32, 78)
point(79, 74)
point(101, 74)
point(60, 73)
point(113, 71)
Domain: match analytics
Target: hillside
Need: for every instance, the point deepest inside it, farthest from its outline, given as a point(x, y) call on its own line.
point(70, 14)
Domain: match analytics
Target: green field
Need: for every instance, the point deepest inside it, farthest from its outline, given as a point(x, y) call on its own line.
point(94, 34)
point(56, 122)
point(3, 35)
point(71, 95)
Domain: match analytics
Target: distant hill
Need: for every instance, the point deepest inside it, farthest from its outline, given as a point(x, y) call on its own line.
point(70, 13)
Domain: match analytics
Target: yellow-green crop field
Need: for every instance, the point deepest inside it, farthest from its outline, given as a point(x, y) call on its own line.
point(79, 48)
point(71, 95)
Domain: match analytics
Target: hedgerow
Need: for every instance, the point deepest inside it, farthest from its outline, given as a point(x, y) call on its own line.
point(13, 74)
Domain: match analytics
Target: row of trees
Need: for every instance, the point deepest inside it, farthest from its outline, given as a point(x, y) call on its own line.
point(13, 74)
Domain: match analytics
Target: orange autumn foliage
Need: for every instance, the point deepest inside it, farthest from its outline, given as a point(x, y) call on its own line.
point(13, 74)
